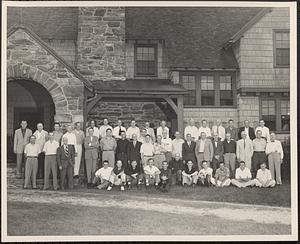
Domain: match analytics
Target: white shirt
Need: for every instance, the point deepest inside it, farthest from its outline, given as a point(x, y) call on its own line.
point(243, 174)
point(151, 170)
point(50, 147)
point(147, 149)
point(193, 130)
point(41, 138)
point(103, 173)
point(177, 146)
point(96, 131)
point(205, 172)
point(206, 130)
point(263, 175)
point(71, 139)
point(167, 144)
point(116, 131)
point(32, 150)
point(102, 130)
point(133, 130)
point(159, 131)
point(274, 146)
point(246, 130)
point(201, 145)
point(220, 130)
point(265, 132)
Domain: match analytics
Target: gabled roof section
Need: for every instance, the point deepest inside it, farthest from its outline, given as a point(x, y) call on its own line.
point(194, 36)
point(246, 27)
point(44, 45)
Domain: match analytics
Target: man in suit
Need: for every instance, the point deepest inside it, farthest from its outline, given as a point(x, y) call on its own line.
point(232, 130)
point(250, 134)
point(65, 156)
point(134, 148)
point(204, 150)
point(188, 150)
point(150, 131)
point(91, 145)
point(244, 150)
point(21, 138)
point(218, 151)
point(122, 149)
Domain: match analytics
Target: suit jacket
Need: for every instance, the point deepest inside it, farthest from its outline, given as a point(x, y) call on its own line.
point(20, 141)
point(91, 152)
point(133, 153)
point(244, 153)
point(62, 159)
point(233, 132)
point(208, 149)
point(188, 152)
point(218, 150)
point(251, 132)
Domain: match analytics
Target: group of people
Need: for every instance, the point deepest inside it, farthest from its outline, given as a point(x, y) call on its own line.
point(142, 156)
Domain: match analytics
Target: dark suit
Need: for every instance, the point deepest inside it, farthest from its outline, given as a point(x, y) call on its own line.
point(251, 132)
point(188, 152)
point(122, 150)
point(133, 153)
point(233, 132)
point(218, 150)
point(67, 164)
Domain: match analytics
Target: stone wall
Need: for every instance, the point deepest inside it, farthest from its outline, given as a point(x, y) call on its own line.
point(126, 111)
point(101, 43)
point(256, 53)
point(27, 59)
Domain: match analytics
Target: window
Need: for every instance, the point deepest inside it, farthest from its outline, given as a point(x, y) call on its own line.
point(189, 83)
point(145, 60)
point(276, 114)
point(268, 113)
point(207, 90)
point(281, 48)
point(285, 115)
point(226, 94)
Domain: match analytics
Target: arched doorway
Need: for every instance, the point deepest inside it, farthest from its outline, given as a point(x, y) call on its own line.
point(27, 100)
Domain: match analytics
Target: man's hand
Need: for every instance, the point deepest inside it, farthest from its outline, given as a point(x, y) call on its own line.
point(60, 167)
point(281, 161)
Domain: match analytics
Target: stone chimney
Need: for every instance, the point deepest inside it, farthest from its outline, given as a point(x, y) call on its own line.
point(101, 43)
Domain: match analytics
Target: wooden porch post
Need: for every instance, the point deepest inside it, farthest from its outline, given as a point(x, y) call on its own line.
point(180, 114)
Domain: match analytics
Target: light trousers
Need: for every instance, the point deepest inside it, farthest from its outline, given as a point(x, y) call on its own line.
point(151, 179)
point(31, 168)
point(50, 166)
point(220, 183)
point(91, 167)
point(229, 160)
point(19, 164)
point(240, 184)
point(275, 166)
point(78, 159)
point(187, 180)
point(115, 180)
point(270, 183)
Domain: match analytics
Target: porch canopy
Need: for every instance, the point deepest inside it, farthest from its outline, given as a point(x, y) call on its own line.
point(149, 89)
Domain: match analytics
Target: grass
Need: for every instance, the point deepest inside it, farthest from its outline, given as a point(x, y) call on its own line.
point(60, 219)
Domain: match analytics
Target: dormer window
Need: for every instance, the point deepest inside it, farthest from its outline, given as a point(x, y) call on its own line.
point(145, 60)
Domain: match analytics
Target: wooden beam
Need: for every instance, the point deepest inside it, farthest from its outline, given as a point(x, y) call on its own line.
point(180, 115)
point(172, 104)
point(92, 103)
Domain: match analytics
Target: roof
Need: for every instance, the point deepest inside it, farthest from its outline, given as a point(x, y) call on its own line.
point(47, 22)
point(154, 86)
point(194, 36)
point(44, 45)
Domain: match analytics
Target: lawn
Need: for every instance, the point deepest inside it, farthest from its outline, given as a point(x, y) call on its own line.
point(64, 219)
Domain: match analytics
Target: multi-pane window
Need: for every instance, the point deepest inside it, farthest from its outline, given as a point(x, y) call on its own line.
point(207, 90)
point(268, 112)
point(189, 83)
point(282, 48)
point(226, 93)
point(145, 61)
point(285, 115)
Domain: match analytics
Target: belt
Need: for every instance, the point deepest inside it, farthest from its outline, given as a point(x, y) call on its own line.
point(107, 150)
point(148, 155)
point(201, 152)
point(260, 151)
point(50, 155)
point(31, 156)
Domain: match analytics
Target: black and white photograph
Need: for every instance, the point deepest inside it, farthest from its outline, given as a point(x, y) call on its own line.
point(148, 121)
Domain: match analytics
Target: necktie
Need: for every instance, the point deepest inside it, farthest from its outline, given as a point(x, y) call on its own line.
point(134, 144)
point(244, 144)
point(67, 151)
point(120, 130)
point(218, 130)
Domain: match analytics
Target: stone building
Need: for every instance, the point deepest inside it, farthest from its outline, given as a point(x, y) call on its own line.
point(80, 63)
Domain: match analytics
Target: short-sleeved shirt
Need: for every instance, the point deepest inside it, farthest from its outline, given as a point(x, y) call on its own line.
point(151, 170)
point(259, 145)
point(50, 148)
point(147, 149)
point(222, 174)
point(243, 174)
point(108, 144)
point(104, 173)
point(32, 150)
point(206, 172)
point(57, 136)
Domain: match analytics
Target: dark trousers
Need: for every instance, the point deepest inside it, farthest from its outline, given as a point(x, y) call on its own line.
point(164, 185)
point(41, 161)
point(176, 177)
point(257, 159)
point(66, 174)
point(215, 163)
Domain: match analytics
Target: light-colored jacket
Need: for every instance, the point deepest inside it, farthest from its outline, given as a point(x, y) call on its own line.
point(244, 153)
point(20, 141)
point(208, 149)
